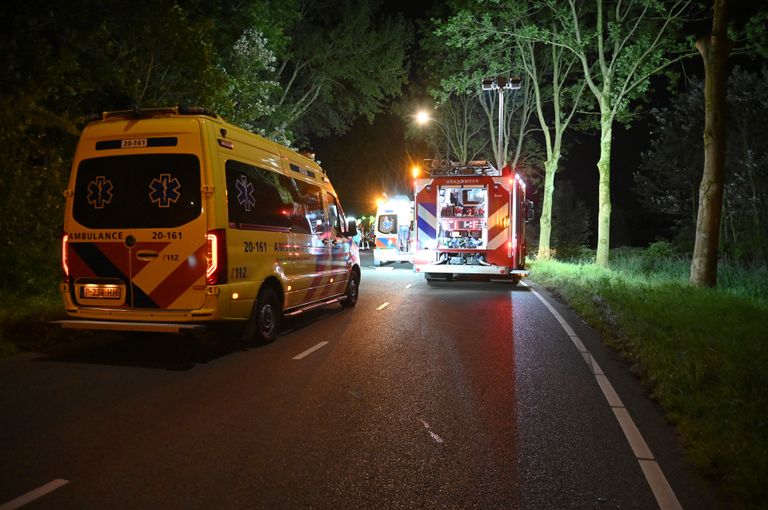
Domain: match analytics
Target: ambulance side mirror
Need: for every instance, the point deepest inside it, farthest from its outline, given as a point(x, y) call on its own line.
point(351, 228)
point(529, 210)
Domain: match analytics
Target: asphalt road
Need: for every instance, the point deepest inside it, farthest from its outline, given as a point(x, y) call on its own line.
point(455, 394)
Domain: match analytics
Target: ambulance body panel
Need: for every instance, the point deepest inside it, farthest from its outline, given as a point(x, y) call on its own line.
point(175, 219)
point(393, 229)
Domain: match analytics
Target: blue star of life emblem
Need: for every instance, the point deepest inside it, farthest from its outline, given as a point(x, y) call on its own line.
point(245, 193)
point(164, 190)
point(100, 192)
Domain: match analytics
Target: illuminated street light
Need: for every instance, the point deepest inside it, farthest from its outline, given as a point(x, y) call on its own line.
point(422, 117)
point(415, 171)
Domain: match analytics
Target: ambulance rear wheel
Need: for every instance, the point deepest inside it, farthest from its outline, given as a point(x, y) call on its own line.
point(265, 318)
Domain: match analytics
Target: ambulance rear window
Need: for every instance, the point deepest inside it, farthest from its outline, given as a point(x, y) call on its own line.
point(388, 223)
point(138, 191)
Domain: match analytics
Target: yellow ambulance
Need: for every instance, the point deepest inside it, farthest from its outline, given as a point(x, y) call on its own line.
point(176, 219)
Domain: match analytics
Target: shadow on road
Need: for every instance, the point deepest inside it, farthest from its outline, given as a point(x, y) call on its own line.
point(149, 350)
point(165, 351)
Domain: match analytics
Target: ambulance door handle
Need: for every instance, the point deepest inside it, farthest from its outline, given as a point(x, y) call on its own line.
point(147, 255)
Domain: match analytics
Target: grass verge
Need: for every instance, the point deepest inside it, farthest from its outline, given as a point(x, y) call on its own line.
point(25, 322)
point(702, 353)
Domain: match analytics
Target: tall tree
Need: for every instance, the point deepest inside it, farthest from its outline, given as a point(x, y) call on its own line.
point(328, 74)
point(667, 183)
point(460, 134)
point(550, 73)
point(559, 90)
point(461, 68)
point(620, 44)
point(714, 51)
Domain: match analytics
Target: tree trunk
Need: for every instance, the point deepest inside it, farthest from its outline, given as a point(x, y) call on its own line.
point(545, 222)
point(714, 51)
point(604, 189)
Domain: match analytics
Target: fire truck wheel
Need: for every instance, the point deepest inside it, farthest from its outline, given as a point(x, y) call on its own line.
point(353, 288)
point(264, 323)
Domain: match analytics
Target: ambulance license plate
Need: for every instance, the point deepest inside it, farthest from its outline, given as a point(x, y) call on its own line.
point(101, 292)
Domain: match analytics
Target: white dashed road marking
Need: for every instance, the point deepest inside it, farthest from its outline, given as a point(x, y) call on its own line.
point(383, 306)
point(33, 495)
point(310, 350)
point(662, 491)
point(435, 437)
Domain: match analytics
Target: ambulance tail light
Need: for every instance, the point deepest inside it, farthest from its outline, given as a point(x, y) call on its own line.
point(216, 257)
point(65, 256)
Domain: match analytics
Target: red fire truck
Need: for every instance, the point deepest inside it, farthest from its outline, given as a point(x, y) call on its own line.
point(470, 219)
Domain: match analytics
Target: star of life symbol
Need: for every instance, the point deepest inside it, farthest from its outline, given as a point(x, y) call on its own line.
point(100, 192)
point(164, 190)
point(245, 193)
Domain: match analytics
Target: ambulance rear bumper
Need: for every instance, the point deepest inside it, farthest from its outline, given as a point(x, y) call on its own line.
point(152, 327)
point(391, 255)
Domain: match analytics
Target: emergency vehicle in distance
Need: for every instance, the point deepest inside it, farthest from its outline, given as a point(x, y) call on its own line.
point(393, 228)
point(176, 219)
point(470, 219)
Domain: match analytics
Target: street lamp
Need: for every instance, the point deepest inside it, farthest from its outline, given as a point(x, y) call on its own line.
point(422, 117)
point(501, 83)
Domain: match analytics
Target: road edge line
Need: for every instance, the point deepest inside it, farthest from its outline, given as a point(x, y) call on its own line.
point(662, 491)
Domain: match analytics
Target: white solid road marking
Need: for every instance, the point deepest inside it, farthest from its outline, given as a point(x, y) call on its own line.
point(310, 350)
point(383, 306)
point(665, 496)
point(662, 491)
point(33, 495)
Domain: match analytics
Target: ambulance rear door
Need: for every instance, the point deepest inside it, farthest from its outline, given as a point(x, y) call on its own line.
point(136, 234)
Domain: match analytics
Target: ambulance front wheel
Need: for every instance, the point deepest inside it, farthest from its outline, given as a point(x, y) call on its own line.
point(265, 318)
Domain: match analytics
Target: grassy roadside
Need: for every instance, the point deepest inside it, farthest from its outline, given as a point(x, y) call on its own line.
point(24, 322)
point(702, 352)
